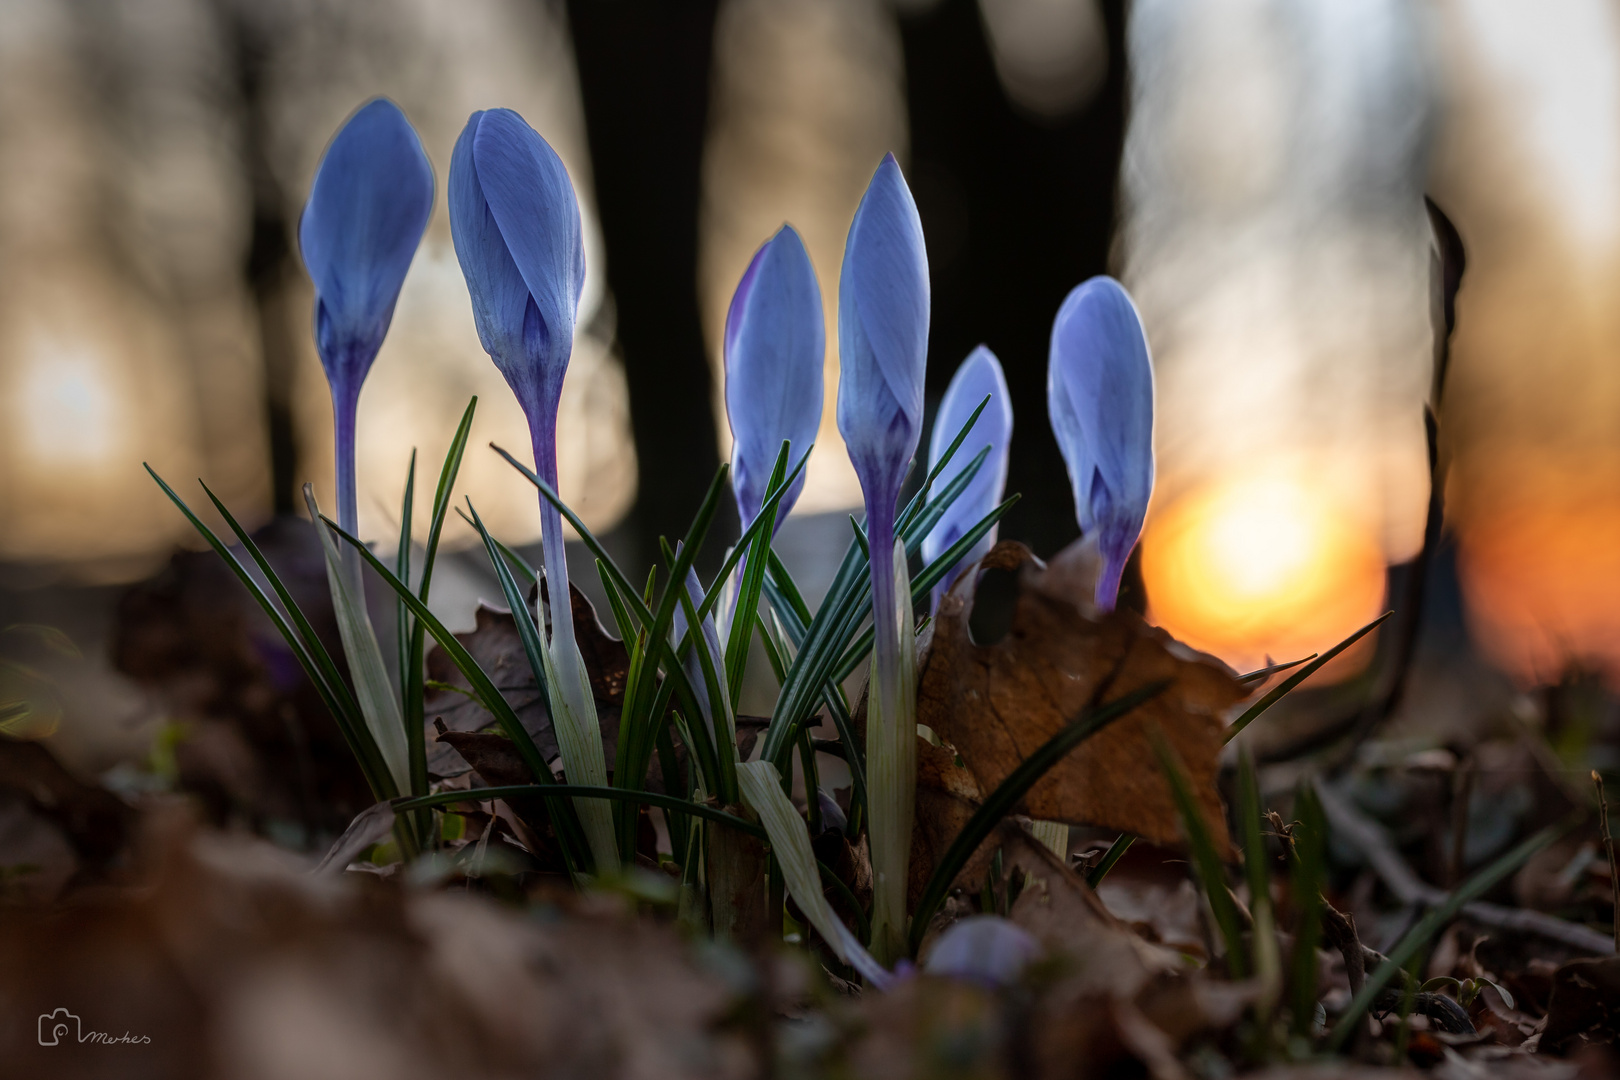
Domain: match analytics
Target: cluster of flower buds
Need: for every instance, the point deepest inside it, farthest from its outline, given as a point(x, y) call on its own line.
point(516, 226)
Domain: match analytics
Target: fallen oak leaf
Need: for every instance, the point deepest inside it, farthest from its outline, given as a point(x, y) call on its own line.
point(997, 703)
point(495, 644)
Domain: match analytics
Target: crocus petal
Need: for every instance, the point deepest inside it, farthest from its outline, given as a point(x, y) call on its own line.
point(775, 343)
point(883, 304)
point(366, 213)
point(986, 949)
point(978, 377)
point(1099, 388)
point(516, 223)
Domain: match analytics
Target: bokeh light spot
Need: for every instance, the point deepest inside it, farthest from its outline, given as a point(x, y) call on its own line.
point(1263, 566)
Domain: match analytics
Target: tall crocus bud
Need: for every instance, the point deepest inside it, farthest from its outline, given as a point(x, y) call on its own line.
point(979, 377)
point(367, 210)
point(516, 226)
point(1099, 392)
point(883, 351)
point(774, 346)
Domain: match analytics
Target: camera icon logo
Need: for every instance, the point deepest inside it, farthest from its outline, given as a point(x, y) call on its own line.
point(53, 1025)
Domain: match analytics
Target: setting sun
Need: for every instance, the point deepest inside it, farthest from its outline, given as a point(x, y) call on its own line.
point(1261, 567)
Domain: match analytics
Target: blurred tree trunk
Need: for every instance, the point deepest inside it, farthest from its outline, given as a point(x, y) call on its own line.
point(1017, 211)
point(644, 77)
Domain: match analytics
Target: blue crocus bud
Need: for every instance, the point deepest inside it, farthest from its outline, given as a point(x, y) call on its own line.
point(883, 305)
point(979, 377)
point(1099, 392)
point(515, 222)
point(883, 351)
point(774, 346)
point(366, 213)
point(986, 949)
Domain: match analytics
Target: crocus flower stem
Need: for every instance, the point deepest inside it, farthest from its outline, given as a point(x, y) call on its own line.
point(891, 734)
point(554, 553)
point(345, 408)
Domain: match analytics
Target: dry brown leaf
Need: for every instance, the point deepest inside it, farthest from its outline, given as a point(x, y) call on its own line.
point(999, 703)
point(495, 644)
point(947, 796)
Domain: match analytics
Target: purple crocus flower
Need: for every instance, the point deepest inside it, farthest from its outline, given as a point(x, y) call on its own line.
point(366, 213)
point(1099, 392)
point(883, 306)
point(986, 949)
point(774, 346)
point(515, 222)
point(516, 226)
point(978, 377)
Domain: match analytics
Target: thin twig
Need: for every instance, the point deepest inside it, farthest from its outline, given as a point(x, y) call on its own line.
point(1369, 838)
point(1608, 845)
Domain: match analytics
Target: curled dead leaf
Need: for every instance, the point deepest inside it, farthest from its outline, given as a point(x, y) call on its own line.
point(998, 703)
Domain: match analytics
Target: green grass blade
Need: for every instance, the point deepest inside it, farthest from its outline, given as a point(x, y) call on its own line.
point(441, 495)
point(372, 690)
point(1205, 859)
point(1116, 851)
point(402, 567)
point(1294, 680)
point(1477, 885)
point(638, 607)
point(753, 580)
point(927, 516)
point(790, 844)
point(483, 687)
point(1263, 952)
point(1308, 869)
point(1262, 674)
point(764, 524)
point(939, 466)
point(305, 645)
point(923, 585)
point(1011, 791)
point(721, 721)
point(581, 791)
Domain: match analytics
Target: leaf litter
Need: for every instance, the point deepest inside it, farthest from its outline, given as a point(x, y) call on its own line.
point(237, 960)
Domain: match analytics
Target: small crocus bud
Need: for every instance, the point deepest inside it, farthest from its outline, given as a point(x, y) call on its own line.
point(883, 307)
point(883, 304)
point(977, 378)
point(366, 213)
point(774, 346)
point(1099, 392)
point(986, 949)
point(515, 222)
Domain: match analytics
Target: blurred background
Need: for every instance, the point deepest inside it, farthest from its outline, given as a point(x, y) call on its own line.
point(1253, 170)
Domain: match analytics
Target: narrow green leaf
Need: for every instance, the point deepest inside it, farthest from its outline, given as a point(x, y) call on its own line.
point(940, 465)
point(1116, 851)
point(753, 580)
point(1267, 962)
point(402, 567)
point(535, 651)
point(1205, 859)
point(581, 791)
point(722, 722)
point(366, 668)
point(1477, 885)
point(1309, 872)
point(790, 843)
point(305, 645)
point(1261, 674)
point(1304, 673)
point(1011, 791)
point(482, 686)
point(923, 585)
